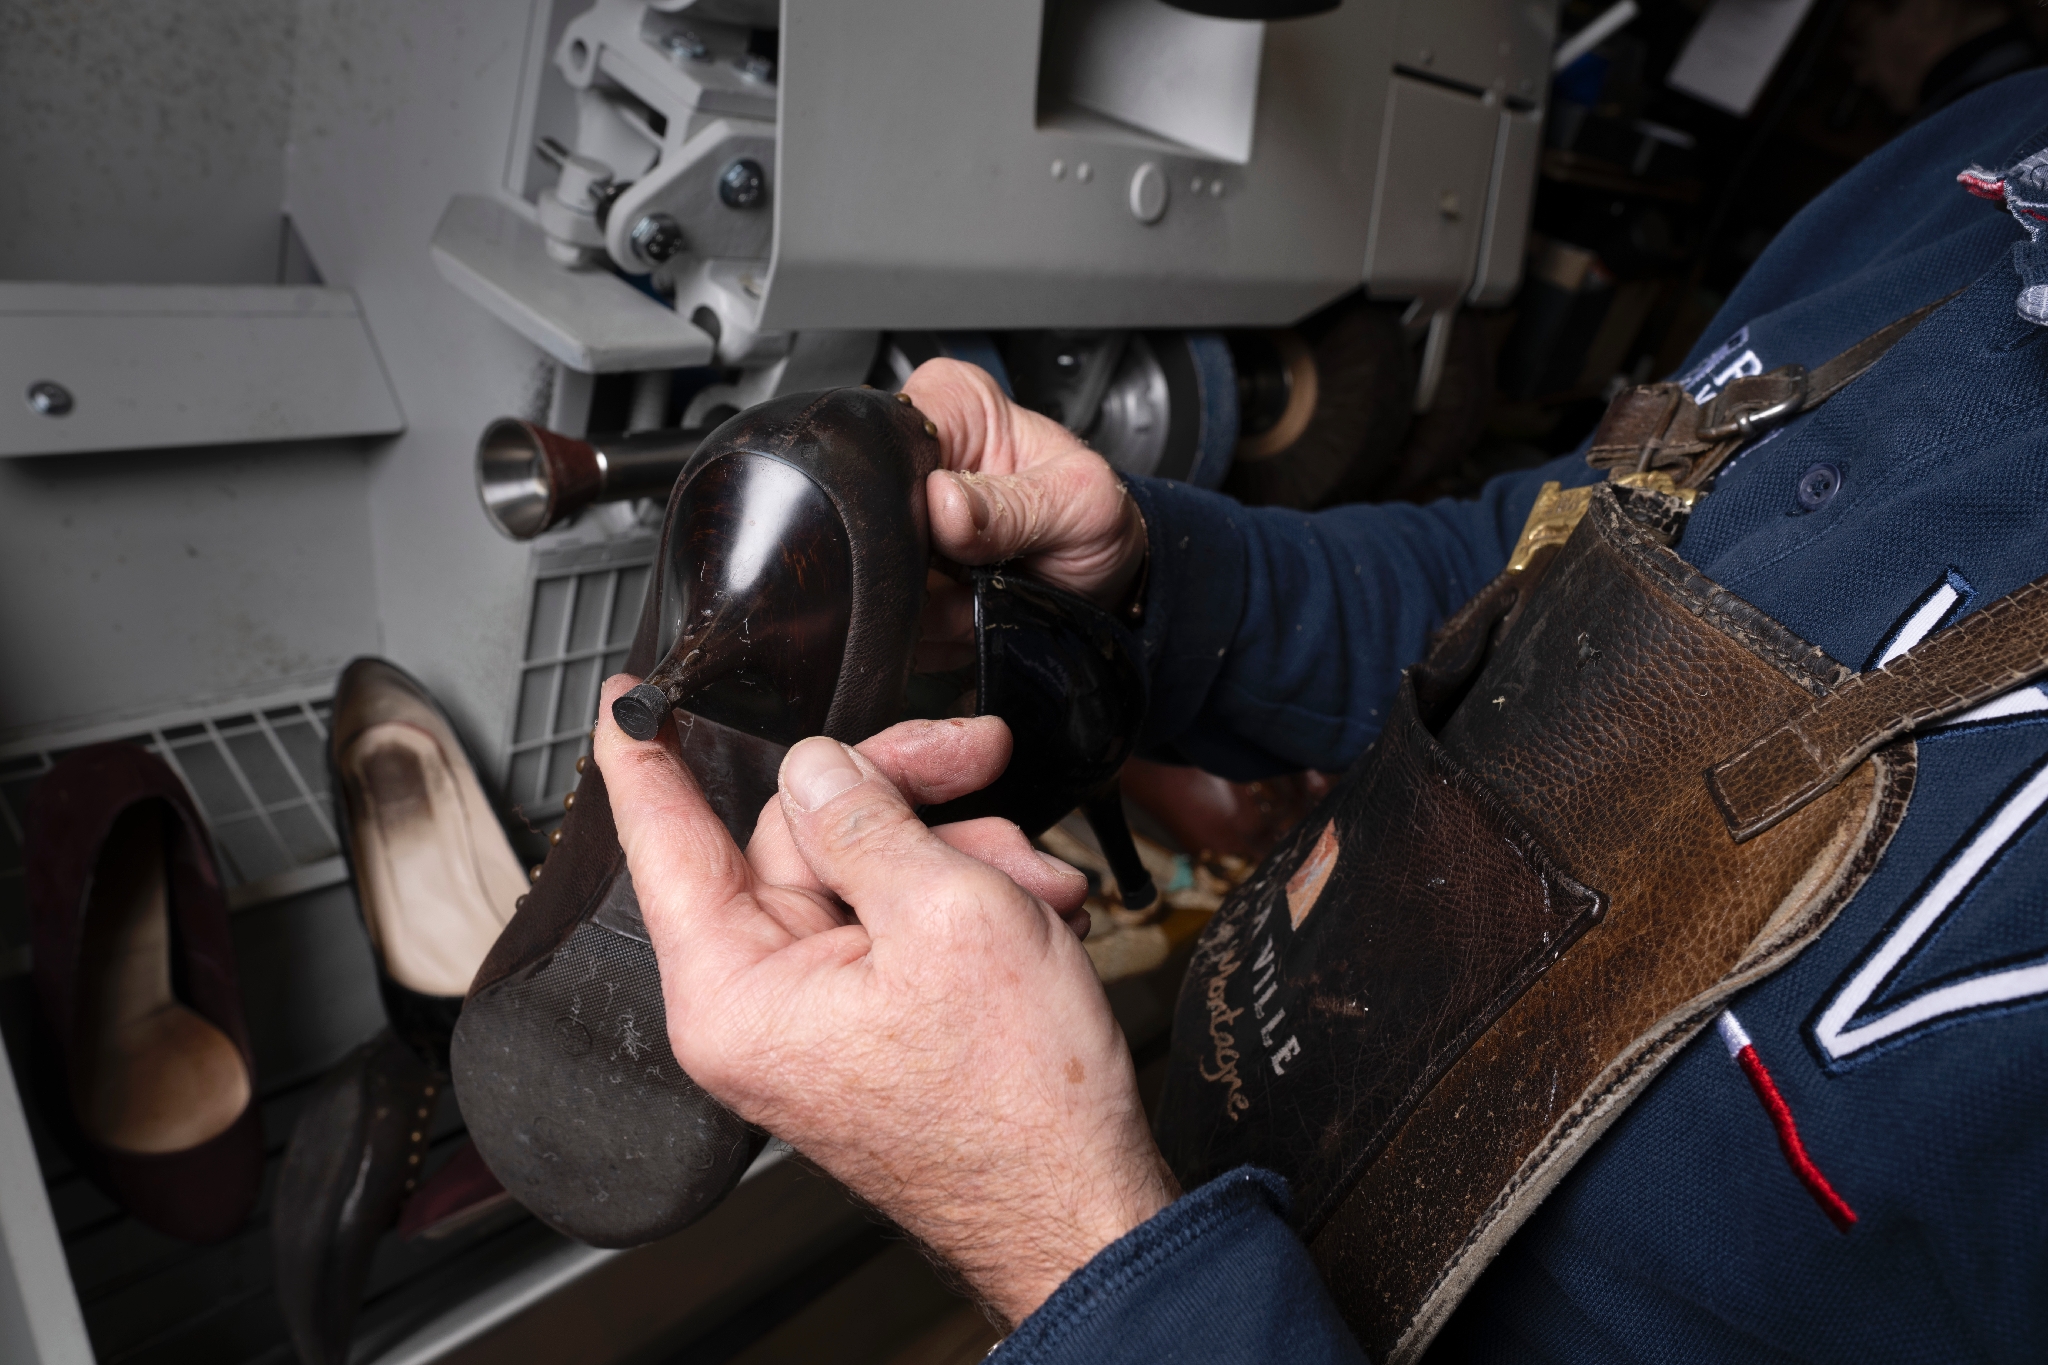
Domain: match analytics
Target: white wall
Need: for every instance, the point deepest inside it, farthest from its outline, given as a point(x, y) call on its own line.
point(398, 105)
point(165, 142)
point(143, 141)
point(135, 583)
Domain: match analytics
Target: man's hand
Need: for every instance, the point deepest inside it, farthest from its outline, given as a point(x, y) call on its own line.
point(913, 1019)
point(1017, 485)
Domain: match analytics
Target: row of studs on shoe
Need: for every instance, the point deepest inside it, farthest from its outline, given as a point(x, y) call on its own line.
point(418, 1138)
point(555, 835)
point(931, 428)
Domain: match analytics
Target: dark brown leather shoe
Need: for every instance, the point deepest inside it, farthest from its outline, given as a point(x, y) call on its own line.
point(143, 1065)
point(435, 876)
point(784, 604)
point(436, 879)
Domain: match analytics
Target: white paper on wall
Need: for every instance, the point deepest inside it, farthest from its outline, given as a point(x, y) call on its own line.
point(1733, 50)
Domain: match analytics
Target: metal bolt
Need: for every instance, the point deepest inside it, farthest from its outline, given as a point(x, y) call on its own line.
point(656, 238)
point(743, 185)
point(569, 801)
point(903, 398)
point(583, 763)
point(756, 68)
point(1449, 205)
point(554, 837)
point(684, 46)
point(533, 873)
point(50, 398)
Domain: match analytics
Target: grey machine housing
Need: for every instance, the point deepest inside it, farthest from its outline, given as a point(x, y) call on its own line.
point(792, 190)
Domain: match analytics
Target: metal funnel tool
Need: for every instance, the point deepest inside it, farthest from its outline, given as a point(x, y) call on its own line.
point(530, 478)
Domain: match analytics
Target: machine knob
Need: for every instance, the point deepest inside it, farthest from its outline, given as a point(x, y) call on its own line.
point(1148, 193)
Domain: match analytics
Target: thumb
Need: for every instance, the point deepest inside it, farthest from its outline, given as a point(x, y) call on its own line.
point(1074, 511)
point(865, 843)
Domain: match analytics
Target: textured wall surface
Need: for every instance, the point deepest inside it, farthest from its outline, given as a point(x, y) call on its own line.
point(140, 581)
point(144, 142)
point(398, 106)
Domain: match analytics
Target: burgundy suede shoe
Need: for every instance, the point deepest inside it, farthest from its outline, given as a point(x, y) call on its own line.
point(143, 1066)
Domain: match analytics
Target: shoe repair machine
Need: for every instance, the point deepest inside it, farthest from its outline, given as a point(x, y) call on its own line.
point(1078, 197)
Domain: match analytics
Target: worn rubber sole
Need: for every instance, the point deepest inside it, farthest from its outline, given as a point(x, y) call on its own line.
point(574, 1098)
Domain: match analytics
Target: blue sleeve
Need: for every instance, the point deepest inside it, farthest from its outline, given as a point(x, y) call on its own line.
point(1275, 637)
point(1215, 1277)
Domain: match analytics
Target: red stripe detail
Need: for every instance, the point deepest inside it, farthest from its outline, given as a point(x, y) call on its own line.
point(1983, 188)
point(1833, 1205)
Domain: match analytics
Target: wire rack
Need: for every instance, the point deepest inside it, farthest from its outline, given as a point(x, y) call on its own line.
point(585, 608)
point(256, 771)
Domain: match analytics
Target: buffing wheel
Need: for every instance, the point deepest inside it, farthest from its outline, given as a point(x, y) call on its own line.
point(1328, 405)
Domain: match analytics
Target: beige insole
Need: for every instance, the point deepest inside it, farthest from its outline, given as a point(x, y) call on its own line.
point(147, 1074)
point(437, 878)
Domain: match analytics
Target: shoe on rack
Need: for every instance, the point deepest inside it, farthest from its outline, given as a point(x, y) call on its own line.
point(455, 1198)
point(436, 879)
point(143, 1065)
point(355, 1155)
point(784, 603)
point(435, 874)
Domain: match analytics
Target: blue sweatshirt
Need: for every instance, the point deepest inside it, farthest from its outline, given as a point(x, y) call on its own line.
point(1909, 1043)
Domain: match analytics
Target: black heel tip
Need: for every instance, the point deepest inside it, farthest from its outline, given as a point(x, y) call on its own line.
point(639, 712)
point(1143, 896)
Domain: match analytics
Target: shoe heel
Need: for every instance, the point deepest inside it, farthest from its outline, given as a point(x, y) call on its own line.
point(699, 658)
point(1105, 812)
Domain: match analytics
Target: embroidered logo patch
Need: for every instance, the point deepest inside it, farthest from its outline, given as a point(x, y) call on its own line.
point(1305, 887)
point(1858, 1017)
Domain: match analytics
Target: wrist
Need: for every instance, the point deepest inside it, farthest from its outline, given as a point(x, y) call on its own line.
point(1014, 1263)
point(1124, 593)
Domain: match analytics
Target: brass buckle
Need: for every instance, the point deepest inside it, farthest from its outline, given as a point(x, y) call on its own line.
point(1557, 510)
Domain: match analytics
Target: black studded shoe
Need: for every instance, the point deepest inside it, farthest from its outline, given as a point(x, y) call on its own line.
point(785, 603)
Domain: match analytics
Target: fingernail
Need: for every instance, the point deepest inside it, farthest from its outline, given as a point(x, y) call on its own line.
point(1058, 865)
point(977, 502)
point(816, 770)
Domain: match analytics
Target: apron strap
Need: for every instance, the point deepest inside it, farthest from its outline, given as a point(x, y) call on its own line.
point(1988, 652)
point(1658, 430)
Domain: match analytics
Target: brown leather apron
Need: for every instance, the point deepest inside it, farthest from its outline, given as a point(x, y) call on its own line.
point(1612, 795)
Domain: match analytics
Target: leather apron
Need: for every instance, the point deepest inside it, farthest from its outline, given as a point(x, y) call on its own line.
point(1611, 796)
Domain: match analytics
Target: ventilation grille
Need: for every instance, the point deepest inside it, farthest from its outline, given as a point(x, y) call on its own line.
point(586, 606)
point(255, 769)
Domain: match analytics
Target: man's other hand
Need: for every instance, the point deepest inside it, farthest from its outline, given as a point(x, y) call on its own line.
point(1016, 485)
